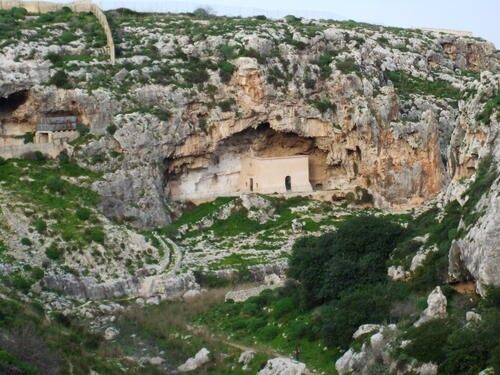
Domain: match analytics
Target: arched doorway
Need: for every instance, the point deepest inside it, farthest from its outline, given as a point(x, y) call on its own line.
point(251, 184)
point(288, 183)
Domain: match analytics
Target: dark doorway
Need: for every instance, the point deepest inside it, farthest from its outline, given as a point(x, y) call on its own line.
point(288, 183)
point(251, 184)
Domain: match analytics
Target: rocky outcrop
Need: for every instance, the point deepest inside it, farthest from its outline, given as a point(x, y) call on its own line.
point(436, 307)
point(87, 288)
point(283, 366)
point(476, 255)
point(377, 351)
point(200, 359)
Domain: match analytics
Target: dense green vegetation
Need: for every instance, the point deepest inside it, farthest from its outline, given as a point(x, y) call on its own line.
point(34, 344)
point(60, 205)
point(406, 84)
point(341, 273)
point(459, 348)
point(491, 106)
point(16, 19)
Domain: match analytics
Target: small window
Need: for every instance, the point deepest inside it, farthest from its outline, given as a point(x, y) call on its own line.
point(288, 183)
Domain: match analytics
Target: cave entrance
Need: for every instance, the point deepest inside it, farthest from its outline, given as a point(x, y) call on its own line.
point(258, 160)
point(288, 183)
point(13, 101)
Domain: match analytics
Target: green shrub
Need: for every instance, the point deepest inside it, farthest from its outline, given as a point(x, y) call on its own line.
point(96, 234)
point(324, 105)
point(2, 161)
point(347, 66)
point(226, 70)
point(54, 252)
point(406, 84)
point(268, 333)
point(226, 105)
point(428, 341)
point(55, 185)
point(40, 225)
point(67, 37)
point(355, 254)
point(324, 64)
point(111, 129)
point(28, 137)
point(21, 367)
point(83, 213)
point(491, 106)
point(470, 349)
point(82, 129)
point(26, 241)
point(363, 304)
point(37, 273)
point(60, 79)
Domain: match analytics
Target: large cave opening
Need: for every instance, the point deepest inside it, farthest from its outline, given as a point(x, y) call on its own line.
point(12, 102)
point(259, 159)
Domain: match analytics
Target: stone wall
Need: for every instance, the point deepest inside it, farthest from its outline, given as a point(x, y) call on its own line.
point(78, 6)
point(18, 151)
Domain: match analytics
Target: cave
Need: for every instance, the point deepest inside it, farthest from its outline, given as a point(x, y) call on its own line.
point(12, 102)
point(287, 163)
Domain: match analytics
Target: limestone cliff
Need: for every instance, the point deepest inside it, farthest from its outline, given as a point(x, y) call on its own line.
point(405, 114)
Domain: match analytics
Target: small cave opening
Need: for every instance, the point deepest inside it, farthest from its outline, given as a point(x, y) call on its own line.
point(259, 160)
point(13, 101)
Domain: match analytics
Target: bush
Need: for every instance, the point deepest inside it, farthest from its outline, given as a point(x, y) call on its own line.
point(348, 66)
point(37, 273)
point(226, 105)
point(428, 341)
point(60, 79)
point(40, 225)
point(324, 105)
point(111, 129)
point(26, 241)
point(406, 85)
point(491, 106)
point(82, 129)
point(83, 213)
point(268, 333)
point(2, 161)
point(324, 64)
point(96, 234)
point(226, 70)
point(63, 158)
point(355, 254)
point(55, 185)
point(54, 252)
point(28, 137)
point(364, 304)
point(67, 37)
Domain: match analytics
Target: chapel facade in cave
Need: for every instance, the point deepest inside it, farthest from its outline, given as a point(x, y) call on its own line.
point(268, 175)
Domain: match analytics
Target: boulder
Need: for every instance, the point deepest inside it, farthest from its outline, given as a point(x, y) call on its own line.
point(246, 357)
point(436, 307)
point(110, 333)
point(194, 363)
point(283, 366)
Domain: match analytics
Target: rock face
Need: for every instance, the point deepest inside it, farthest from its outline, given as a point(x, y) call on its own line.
point(330, 99)
point(477, 255)
point(283, 366)
point(201, 358)
point(436, 307)
point(161, 286)
point(377, 351)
